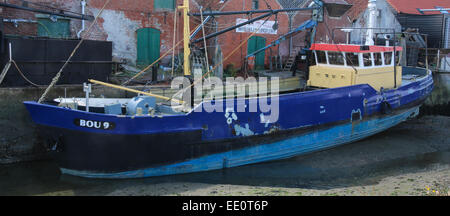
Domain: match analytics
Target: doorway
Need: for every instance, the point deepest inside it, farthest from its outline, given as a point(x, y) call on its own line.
point(148, 46)
point(256, 43)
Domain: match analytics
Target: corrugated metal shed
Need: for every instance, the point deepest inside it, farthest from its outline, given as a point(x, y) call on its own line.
point(446, 42)
point(435, 26)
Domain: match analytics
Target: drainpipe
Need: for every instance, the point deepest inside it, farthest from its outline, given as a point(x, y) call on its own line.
point(373, 13)
point(83, 6)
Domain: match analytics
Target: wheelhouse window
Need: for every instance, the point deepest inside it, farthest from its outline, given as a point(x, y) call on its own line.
point(397, 57)
point(388, 58)
point(377, 59)
point(352, 59)
point(321, 57)
point(312, 58)
point(367, 59)
point(336, 58)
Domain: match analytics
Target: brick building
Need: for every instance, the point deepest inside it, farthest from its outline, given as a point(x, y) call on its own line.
point(126, 22)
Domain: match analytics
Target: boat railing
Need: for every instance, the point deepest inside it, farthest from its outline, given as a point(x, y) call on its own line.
point(388, 34)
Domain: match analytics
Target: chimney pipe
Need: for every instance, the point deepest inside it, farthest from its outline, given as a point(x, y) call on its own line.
point(373, 13)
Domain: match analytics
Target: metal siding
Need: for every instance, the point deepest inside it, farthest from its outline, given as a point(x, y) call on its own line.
point(40, 59)
point(430, 25)
point(447, 32)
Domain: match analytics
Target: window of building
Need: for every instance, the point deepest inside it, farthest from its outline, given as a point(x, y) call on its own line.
point(255, 4)
point(352, 59)
point(336, 58)
point(321, 57)
point(388, 58)
point(58, 28)
point(367, 59)
point(377, 58)
point(164, 4)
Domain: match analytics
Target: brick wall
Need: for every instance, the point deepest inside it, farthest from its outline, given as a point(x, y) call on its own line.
point(121, 19)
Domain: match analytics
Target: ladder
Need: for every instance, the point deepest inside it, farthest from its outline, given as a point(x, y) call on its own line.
point(291, 60)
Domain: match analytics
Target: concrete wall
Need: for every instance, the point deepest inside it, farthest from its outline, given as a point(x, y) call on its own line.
point(19, 140)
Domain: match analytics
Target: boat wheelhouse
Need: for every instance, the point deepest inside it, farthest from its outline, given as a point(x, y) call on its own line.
point(338, 65)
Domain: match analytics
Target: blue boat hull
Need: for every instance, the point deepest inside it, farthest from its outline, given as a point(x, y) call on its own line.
point(199, 141)
point(306, 143)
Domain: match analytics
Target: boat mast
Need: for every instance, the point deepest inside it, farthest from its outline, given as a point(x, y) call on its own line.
point(186, 37)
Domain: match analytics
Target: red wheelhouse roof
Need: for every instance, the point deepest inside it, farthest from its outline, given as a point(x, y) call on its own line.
point(353, 48)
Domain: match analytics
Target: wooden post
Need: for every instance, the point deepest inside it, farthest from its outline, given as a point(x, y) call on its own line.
point(438, 60)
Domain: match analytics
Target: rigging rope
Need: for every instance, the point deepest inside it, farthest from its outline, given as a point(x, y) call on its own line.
point(157, 60)
point(223, 60)
point(204, 42)
point(174, 40)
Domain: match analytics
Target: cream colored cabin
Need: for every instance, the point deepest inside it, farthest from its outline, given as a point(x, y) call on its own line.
point(345, 65)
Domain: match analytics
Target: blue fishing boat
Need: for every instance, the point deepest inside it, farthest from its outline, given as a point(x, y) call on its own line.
point(354, 91)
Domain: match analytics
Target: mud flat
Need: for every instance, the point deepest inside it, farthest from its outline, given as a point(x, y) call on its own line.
point(412, 158)
point(428, 182)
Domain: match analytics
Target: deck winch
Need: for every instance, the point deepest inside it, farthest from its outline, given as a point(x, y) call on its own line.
point(141, 105)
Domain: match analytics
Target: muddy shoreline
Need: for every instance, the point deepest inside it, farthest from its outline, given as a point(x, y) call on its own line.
point(412, 158)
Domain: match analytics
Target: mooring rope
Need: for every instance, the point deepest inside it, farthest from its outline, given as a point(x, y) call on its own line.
point(58, 75)
point(23, 75)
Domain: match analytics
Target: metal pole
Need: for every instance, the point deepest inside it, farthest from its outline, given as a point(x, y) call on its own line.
point(438, 59)
point(87, 88)
point(197, 30)
point(253, 11)
point(268, 13)
point(395, 63)
point(10, 52)
point(232, 28)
